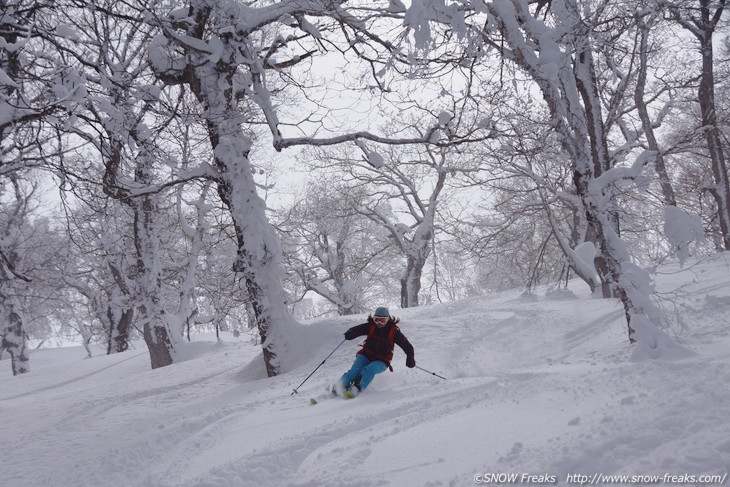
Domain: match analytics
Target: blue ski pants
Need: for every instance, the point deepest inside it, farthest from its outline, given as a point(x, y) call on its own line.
point(365, 368)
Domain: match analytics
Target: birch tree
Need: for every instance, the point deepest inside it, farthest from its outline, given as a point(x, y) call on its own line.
point(701, 21)
point(13, 332)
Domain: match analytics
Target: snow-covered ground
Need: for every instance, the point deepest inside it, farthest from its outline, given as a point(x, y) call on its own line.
point(541, 385)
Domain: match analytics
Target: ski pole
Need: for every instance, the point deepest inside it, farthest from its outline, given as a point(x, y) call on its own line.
point(429, 372)
point(320, 365)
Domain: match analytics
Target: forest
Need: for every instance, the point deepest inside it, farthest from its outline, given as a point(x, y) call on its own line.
point(171, 167)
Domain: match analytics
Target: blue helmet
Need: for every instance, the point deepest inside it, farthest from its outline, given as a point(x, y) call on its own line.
point(382, 311)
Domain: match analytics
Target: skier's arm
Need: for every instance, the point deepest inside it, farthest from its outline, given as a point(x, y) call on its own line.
point(405, 345)
point(357, 331)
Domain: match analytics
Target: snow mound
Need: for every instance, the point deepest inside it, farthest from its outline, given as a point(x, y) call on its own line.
point(653, 343)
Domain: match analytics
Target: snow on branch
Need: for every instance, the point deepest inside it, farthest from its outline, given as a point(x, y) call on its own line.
point(371, 157)
point(11, 268)
point(623, 173)
point(428, 138)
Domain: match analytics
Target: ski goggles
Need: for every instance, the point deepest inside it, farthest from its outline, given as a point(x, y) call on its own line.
point(381, 320)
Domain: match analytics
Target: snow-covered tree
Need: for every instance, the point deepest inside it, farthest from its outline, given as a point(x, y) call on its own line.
point(34, 90)
point(221, 51)
point(701, 19)
point(194, 236)
point(125, 142)
point(334, 250)
point(13, 331)
point(210, 48)
point(30, 284)
point(559, 56)
point(403, 187)
point(405, 202)
point(100, 267)
point(123, 124)
point(34, 87)
point(153, 115)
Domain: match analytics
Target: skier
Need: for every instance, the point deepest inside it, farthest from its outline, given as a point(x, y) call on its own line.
point(376, 354)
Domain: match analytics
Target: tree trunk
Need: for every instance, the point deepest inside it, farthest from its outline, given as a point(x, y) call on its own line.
point(119, 319)
point(258, 256)
point(703, 28)
point(147, 283)
point(187, 307)
point(146, 241)
point(646, 123)
point(594, 234)
point(721, 190)
point(577, 237)
point(410, 283)
point(119, 331)
point(586, 83)
point(86, 342)
point(346, 310)
point(608, 250)
point(14, 338)
point(159, 345)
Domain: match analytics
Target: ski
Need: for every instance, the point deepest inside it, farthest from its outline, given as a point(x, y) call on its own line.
point(345, 395)
point(330, 393)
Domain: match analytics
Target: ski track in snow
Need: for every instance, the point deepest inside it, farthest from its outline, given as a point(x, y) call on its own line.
point(540, 385)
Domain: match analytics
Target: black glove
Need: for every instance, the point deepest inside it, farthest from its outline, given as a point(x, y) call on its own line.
point(410, 362)
point(350, 334)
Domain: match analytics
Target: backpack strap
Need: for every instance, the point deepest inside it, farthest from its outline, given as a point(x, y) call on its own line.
point(391, 340)
point(371, 330)
point(391, 334)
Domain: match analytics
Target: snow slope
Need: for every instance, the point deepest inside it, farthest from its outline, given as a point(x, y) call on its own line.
point(540, 385)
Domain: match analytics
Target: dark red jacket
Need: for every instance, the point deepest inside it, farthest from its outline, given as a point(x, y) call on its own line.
point(378, 345)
